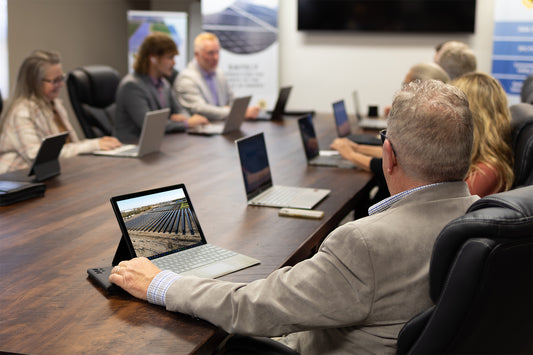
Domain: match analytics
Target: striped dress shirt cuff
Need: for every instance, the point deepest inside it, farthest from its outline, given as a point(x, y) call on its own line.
point(159, 286)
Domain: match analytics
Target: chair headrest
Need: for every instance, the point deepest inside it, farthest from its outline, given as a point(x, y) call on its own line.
point(96, 85)
point(503, 217)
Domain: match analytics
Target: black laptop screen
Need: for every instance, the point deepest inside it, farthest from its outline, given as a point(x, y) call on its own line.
point(341, 119)
point(158, 222)
point(254, 164)
point(307, 131)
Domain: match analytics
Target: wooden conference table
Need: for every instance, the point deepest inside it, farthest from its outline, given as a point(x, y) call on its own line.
point(49, 306)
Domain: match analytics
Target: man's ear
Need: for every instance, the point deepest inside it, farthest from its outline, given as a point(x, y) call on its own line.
point(389, 158)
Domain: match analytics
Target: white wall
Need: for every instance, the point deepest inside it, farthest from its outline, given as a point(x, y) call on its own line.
point(323, 67)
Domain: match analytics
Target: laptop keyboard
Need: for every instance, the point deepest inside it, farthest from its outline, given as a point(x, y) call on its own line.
point(279, 196)
point(193, 258)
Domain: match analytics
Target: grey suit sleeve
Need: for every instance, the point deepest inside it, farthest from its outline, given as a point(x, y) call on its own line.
point(332, 289)
point(189, 96)
point(133, 100)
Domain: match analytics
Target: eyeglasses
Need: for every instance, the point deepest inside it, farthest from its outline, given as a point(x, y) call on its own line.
point(57, 80)
point(383, 135)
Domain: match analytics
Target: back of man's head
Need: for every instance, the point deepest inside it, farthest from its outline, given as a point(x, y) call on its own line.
point(456, 58)
point(431, 130)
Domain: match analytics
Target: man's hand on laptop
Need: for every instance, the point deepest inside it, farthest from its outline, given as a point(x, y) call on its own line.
point(108, 143)
point(194, 120)
point(134, 276)
point(252, 112)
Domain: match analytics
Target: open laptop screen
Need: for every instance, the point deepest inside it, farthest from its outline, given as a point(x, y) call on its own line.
point(158, 222)
point(341, 119)
point(254, 164)
point(307, 132)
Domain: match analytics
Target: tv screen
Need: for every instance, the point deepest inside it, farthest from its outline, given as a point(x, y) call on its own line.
point(430, 16)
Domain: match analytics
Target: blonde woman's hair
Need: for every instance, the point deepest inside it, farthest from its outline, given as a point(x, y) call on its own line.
point(492, 125)
point(30, 79)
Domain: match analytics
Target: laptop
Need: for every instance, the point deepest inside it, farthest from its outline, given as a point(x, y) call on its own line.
point(46, 162)
point(260, 190)
point(365, 122)
point(311, 148)
point(342, 125)
point(279, 108)
point(232, 123)
point(152, 134)
point(161, 224)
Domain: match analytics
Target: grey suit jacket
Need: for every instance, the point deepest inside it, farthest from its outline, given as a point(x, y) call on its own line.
point(369, 277)
point(193, 93)
point(135, 96)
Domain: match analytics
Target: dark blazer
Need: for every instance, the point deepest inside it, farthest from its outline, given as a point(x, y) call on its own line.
point(136, 95)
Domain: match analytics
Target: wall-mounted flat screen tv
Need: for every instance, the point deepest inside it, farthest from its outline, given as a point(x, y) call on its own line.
point(423, 16)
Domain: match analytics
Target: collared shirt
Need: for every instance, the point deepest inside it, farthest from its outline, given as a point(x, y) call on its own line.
point(161, 283)
point(390, 201)
point(209, 78)
point(158, 287)
point(158, 84)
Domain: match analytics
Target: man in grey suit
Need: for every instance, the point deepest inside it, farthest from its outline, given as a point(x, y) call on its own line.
point(369, 276)
point(147, 90)
point(202, 87)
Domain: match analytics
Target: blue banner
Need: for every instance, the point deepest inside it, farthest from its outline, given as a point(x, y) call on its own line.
point(512, 55)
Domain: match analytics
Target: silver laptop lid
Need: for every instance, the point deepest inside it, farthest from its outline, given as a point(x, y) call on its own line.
point(153, 131)
point(237, 113)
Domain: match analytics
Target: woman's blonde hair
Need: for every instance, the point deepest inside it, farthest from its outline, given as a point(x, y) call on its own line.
point(492, 125)
point(30, 79)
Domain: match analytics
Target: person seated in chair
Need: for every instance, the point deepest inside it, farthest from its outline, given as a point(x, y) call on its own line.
point(491, 166)
point(146, 90)
point(369, 276)
point(202, 87)
point(34, 112)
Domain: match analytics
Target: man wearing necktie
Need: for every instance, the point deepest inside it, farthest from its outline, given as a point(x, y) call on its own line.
point(202, 88)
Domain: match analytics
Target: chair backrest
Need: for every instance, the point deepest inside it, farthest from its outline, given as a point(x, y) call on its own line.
point(92, 92)
point(522, 143)
point(526, 93)
point(481, 282)
point(1, 102)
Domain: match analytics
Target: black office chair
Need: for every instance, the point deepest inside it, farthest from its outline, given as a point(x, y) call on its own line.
point(1, 102)
point(522, 143)
point(92, 92)
point(526, 94)
point(481, 281)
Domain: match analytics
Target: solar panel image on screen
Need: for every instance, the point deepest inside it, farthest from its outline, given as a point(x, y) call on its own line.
point(160, 226)
point(243, 28)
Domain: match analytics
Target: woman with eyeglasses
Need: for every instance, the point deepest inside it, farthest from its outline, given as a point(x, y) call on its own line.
point(34, 112)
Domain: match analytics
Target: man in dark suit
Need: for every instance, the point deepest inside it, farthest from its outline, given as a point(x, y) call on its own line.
point(147, 90)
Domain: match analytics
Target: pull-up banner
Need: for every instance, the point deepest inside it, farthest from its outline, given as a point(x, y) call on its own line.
point(248, 35)
point(512, 56)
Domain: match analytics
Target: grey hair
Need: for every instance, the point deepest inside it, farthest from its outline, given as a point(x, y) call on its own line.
point(426, 71)
point(29, 78)
point(431, 129)
point(456, 58)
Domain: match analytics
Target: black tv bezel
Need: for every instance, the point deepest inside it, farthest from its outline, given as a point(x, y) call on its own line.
point(332, 16)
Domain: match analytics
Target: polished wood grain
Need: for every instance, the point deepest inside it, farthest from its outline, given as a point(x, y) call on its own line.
point(49, 306)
